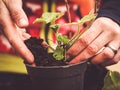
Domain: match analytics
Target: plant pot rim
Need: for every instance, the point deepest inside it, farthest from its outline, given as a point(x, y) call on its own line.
point(62, 66)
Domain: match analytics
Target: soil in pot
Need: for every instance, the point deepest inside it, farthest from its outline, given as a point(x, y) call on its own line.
point(42, 57)
point(50, 74)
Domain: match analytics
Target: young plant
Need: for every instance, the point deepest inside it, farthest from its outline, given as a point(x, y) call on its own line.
point(63, 42)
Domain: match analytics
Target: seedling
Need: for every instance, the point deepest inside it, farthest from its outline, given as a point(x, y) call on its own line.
point(63, 41)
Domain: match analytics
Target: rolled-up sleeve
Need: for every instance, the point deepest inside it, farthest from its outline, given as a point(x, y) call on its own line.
point(110, 9)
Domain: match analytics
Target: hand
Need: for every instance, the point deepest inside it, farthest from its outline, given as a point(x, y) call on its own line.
point(13, 21)
point(95, 43)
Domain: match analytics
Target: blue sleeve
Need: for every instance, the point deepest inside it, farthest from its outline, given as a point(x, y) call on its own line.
point(111, 9)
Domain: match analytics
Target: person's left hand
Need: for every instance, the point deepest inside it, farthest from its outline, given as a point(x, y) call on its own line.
point(101, 43)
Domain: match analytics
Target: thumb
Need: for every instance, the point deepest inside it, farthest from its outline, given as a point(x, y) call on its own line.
point(16, 12)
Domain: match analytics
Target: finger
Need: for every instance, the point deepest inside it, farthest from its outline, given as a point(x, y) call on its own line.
point(114, 60)
point(117, 56)
point(93, 48)
point(107, 62)
point(105, 56)
point(13, 36)
point(16, 12)
point(84, 40)
point(23, 34)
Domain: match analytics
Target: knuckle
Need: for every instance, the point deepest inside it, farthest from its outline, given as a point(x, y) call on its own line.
point(92, 49)
point(114, 32)
point(108, 54)
point(83, 41)
point(16, 14)
point(4, 0)
point(72, 52)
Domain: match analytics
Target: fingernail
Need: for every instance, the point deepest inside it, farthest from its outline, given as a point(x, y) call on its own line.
point(22, 22)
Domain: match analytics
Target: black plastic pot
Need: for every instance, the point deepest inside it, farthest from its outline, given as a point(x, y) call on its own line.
point(69, 77)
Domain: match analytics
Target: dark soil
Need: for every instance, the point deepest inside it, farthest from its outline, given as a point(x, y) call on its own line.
point(42, 57)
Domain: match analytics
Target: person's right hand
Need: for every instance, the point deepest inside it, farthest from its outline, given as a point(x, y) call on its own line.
point(13, 21)
point(100, 43)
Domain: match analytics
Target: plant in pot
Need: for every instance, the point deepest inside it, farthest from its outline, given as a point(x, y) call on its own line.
point(52, 71)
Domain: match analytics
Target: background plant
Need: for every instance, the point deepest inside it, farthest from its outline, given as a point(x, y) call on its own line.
point(112, 81)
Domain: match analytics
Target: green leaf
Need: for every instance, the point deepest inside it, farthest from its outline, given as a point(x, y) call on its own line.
point(90, 18)
point(86, 18)
point(112, 81)
point(62, 39)
point(48, 17)
point(58, 53)
point(55, 27)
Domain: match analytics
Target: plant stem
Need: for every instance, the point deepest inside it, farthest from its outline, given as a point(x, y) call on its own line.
point(96, 6)
point(68, 11)
point(69, 17)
